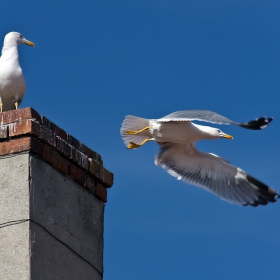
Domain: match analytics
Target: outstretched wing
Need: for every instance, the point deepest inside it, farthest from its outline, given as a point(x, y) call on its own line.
point(213, 174)
point(212, 117)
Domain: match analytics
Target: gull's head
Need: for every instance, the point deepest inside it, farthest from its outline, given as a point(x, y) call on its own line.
point(15, 38)
point(214, 133)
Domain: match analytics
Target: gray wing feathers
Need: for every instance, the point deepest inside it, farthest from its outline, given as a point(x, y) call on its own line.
point(213, 174)
point(212, 117)
point(199, 115)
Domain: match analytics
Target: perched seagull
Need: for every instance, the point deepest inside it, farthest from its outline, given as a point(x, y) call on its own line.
point(12, 84)
point(176, 134)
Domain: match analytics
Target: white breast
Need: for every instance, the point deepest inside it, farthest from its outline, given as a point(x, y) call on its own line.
point(175, 132)
point(12, 84)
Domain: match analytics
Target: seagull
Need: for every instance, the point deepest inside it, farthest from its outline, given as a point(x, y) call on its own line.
point(12, 84)
point(176, 135)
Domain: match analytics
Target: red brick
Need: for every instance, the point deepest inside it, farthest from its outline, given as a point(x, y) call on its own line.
point(48, 136)
point(90, 153)
point(29, 126)
point(63, 147)
point(86, 150)
point(73, 141)
point(77, 174)
point(99, 159)
point(47, 123)
point(54, 128)
point(60, 163)
point(59, 132)
point(75, 155)
point(90, 184)
point(20, 145)
point(37, 146)
point(23, 127)
point(101, 192)
point(4, 131)
point(19, 115)
point(80, 158)
point(15, 146)
point(48, 154)
point(108, 178)
point(95, 156)
point(95, 169)
point(84, 161)
point(55, 159)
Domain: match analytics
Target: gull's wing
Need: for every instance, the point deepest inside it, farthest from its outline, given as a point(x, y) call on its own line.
point(212, 117)
point(213, 174)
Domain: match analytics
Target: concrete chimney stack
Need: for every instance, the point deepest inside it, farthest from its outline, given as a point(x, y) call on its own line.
point(52, 194)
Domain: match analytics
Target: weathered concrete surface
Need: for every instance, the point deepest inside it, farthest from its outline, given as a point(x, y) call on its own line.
point(59, 262)
point(14, 252)
point(14, 206)
point(68, 211)
point(64, 237)
point(14, 187)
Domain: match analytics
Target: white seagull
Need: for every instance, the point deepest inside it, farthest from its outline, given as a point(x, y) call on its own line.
point(178, 155)
point(12, 84)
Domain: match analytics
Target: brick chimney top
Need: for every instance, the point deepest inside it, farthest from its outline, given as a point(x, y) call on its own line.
point(24, 130)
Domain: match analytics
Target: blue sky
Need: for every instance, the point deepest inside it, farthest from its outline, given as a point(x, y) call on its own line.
point(97, 61)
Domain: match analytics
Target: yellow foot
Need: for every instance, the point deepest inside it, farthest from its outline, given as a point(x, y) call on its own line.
point(1, 106)
point(16, 105)
point(136, 146)
point(133, 146)
point(133, 132)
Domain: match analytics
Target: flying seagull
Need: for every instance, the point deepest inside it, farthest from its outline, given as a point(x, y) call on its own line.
point(176, 134)
point(12, 84)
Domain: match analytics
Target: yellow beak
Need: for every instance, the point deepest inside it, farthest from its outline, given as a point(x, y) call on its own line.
point(29, 43)
point(227, 136)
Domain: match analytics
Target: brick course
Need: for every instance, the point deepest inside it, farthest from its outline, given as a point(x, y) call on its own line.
point(25, 130)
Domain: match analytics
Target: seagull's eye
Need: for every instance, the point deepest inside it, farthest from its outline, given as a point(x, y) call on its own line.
point(218, 130)
point(20, 36)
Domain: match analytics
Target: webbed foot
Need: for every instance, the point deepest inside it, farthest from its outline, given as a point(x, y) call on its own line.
point(133, 145)
point(133, 132)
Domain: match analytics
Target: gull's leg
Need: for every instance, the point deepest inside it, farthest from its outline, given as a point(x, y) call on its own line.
point(1, 106)
point(136, 146)
point(16, 105)
point(133, 132)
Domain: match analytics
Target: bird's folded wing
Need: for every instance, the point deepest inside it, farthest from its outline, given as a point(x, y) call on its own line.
point(212, 117)
point(214, 174)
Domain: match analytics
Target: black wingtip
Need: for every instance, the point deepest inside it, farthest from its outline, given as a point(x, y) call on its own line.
point(265, 193)
point(257, 124)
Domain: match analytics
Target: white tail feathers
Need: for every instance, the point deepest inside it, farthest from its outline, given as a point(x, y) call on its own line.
point(134, 123)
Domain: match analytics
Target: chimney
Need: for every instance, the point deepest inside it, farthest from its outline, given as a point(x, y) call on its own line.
point(52, 194)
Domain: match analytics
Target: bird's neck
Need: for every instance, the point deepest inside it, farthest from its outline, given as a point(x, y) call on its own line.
point(203, 132)
point(9, 52)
